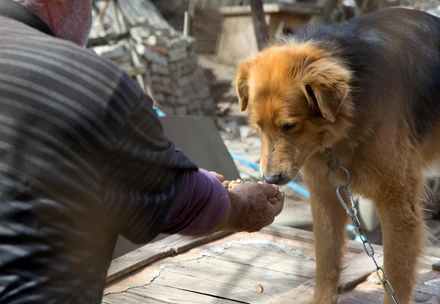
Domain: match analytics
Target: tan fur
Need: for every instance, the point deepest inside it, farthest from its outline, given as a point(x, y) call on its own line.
point(386, 167)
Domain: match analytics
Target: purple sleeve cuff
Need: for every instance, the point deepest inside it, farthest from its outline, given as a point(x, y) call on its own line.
point(200, 207)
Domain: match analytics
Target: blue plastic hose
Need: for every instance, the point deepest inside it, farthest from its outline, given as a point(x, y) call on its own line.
point(159, 112)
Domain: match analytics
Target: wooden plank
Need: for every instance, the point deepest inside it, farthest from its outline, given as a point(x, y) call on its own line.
point(147, 254)
point(290, 233)
point(286, 263)
point(302, 294)
point(173, 295)
point(127, 298)
point(298, 8)
point(355, 270)
point(243, 276)
point(226, 288)
point(307, 236)
point(430, 284)
point(361, 297)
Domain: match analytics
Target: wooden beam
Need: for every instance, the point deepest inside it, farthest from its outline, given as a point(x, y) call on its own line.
point(150, 253)
point(273, 8)
point(259, 22)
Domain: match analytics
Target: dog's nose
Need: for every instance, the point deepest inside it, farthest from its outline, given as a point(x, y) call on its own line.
point(277, 179)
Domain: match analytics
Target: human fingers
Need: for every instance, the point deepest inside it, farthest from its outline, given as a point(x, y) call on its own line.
point(269, 190)
point(277, 207)
point(278, 197)
point(220, 177)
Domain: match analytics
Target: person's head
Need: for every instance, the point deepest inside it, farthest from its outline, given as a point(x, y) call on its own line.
point(69, 19)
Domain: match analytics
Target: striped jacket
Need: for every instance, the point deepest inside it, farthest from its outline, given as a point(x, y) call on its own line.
point(82, 159)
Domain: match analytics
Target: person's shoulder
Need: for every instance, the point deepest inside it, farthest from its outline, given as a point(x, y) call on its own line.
point(85, 60)
point(83, 56)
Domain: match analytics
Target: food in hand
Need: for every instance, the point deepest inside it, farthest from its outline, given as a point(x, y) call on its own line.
point(229, 185)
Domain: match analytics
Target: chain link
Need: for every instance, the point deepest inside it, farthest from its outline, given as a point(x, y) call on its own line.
point(333, 165)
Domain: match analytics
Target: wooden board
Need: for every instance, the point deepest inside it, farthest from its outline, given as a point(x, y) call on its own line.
point(276, 265)
point(199, 139)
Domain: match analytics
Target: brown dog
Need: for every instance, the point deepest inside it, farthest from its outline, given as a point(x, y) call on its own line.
point(370, 91)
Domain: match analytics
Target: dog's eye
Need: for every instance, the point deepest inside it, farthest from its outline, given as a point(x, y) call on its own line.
point(288, 127)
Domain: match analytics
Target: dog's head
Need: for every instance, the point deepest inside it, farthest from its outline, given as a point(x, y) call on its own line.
point(298, 98)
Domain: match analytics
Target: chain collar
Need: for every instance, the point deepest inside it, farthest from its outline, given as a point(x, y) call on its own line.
point(351, 210)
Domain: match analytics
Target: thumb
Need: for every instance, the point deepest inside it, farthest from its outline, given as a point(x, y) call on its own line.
point(220, 177)
point(269, 190)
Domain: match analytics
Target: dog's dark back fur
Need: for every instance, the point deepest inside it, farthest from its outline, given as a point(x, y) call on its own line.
point(372, 44)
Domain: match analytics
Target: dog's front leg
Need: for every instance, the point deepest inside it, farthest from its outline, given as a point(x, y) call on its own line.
point(403, 237)
point(329, 221)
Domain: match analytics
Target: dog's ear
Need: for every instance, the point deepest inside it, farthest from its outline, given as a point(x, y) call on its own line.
point(241, 83)
point(327, 85)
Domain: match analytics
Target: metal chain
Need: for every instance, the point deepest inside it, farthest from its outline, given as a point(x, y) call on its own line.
point(333, 165)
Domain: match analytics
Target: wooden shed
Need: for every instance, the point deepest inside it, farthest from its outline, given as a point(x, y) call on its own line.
point(276, 265)
point(237, 37)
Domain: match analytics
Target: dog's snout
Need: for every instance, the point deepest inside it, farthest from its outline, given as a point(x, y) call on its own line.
point(278, 179)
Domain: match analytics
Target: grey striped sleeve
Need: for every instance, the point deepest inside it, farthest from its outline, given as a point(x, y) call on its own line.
point(144, 175)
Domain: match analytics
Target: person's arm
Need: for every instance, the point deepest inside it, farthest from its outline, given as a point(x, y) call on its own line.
point(143, 175)
point(150, 187)
point(201, 205)
point(205, 207)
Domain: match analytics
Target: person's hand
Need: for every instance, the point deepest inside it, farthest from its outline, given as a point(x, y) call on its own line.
point(250, 207)
point(220, 177)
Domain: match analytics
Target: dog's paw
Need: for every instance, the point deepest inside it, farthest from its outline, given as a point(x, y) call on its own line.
point(373, 278)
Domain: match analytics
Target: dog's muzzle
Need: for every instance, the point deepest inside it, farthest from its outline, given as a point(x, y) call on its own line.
point(278, 179)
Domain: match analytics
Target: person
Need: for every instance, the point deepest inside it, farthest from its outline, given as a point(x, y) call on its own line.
point(83, 158)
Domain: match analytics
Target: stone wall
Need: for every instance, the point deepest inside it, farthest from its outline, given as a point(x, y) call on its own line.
point(178, 83)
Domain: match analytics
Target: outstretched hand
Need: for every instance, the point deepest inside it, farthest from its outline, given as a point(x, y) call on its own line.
point(254, 206)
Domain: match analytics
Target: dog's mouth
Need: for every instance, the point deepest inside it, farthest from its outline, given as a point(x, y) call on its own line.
point(279, 178)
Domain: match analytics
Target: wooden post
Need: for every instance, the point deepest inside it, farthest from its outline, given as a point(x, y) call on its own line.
point(327, 9)
point(192, 15)
point(103, 11)
point(259, 22)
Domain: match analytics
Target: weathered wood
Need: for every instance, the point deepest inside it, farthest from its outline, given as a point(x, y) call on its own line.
point(289, 233)
point(127, 298)
point(271, 260)
point(259, 22)
point(358, 269)
point(274, 267)
point(110, 38)
point(307, 236)
point(355, 270)
point(191, 15)
point(141, 12)
point(300, 295)
point(299, 8)
point(103, 11)
point(244, 277)
point(145, 255)
point(225, 288)
point(169, 294)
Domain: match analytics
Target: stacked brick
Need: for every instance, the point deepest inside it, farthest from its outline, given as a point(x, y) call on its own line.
point(167, 63)
point(178, 84)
